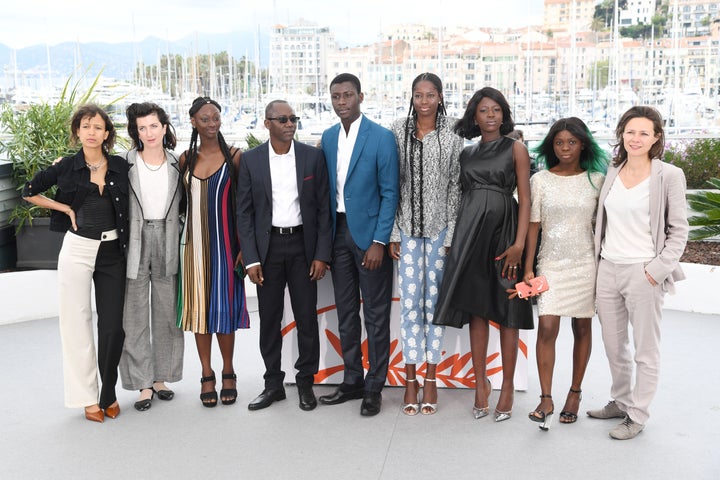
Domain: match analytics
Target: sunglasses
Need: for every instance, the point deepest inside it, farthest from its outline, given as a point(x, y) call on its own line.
point(284, 119)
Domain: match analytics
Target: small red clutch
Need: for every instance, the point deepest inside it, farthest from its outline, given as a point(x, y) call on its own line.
point(538, 285)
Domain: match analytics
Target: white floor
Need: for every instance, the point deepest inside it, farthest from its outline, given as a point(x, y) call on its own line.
point(39, 438)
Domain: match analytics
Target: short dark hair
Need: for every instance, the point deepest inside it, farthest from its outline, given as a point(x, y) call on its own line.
point(140, 110)
point(90, 110)
point(466, 126)
point(639, 111)
point(270, 106)
point(347, 77)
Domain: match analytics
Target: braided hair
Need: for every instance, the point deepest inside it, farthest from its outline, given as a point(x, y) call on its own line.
point(411, 127)
point(192, 151)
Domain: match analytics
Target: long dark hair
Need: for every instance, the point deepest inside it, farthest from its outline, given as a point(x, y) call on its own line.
point(592, 157)
point(192, 151)
point(90, 110)
point(466, 126)
point(140, 110)
point(640, 111)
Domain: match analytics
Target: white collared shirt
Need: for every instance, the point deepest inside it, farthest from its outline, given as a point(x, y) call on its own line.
point(346, 144)
point(285, 197)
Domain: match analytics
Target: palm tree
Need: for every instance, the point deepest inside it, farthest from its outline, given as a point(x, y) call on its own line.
point(707, 205)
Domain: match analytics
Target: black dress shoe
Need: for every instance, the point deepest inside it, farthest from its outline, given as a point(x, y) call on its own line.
point(371, 404)
point(342, 395)
point(266, 398)
point(307, 398)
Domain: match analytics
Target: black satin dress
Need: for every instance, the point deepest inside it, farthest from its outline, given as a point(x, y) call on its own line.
point(485, 228)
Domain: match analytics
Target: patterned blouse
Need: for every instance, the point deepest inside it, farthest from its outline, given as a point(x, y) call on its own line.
point(429, 180)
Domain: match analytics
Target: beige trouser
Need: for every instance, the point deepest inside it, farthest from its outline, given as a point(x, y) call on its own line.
point(82, 262)
point(626, 297)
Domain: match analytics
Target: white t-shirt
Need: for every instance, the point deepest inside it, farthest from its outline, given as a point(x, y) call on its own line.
point(153, 189)
point(628, 238)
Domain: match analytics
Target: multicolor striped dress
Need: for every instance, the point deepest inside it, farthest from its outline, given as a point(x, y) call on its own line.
point(211, 295)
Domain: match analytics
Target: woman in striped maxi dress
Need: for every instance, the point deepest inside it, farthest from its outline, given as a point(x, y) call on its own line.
point(211, 291)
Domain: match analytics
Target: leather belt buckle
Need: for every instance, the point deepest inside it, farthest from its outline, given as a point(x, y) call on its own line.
point(287, 230)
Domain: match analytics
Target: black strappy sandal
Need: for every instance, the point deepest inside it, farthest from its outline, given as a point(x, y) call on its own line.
point(544, 418)
point(566, 416)
point(229, 395)
point(209, 399)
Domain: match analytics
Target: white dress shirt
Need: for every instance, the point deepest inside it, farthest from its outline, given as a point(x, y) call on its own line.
point(285, 197)
point(346, 144)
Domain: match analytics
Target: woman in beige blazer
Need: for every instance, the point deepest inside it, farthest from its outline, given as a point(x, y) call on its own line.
point(641, 231)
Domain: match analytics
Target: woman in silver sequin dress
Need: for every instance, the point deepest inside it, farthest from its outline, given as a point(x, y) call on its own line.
point(563, 203)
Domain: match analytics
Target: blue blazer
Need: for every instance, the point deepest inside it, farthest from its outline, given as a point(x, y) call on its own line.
point(254, 203)
point(371, 188)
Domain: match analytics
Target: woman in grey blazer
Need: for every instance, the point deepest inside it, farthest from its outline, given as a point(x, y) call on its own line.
point(154, 346)
point(641, 231)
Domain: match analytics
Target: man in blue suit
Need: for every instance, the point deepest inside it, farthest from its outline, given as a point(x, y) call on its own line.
point(362, 165)
point(283, 212)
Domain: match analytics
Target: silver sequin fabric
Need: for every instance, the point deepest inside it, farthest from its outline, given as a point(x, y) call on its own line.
point(565, 207)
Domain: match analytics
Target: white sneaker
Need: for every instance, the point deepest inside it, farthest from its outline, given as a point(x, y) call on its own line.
point(626, 430)
point(611, 410)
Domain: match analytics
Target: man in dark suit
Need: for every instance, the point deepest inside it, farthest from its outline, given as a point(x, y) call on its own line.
point(362, 164)
point(284, 223)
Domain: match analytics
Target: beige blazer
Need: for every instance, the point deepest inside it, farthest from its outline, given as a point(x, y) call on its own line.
point(668, 221)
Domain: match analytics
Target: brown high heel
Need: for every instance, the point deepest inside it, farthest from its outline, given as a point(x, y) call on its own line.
point(96, 416)
point(113, 411)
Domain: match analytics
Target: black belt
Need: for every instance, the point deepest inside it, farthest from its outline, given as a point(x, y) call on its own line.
point(287, 230)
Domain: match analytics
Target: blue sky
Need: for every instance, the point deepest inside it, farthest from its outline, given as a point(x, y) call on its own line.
point(30, 22)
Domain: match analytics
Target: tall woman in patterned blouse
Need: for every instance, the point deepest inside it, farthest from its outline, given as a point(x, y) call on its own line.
point(563, 203)
point(423, 230)
point(212, 294)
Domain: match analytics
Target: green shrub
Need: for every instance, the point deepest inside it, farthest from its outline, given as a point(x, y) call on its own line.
point(699, 159)
point(39, 135)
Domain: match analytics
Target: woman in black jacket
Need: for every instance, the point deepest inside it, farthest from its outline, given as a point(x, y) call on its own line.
point(91, 206)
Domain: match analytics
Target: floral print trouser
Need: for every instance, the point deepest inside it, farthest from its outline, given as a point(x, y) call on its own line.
point(420, 269)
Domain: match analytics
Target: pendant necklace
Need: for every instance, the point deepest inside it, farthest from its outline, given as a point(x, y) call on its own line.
point(95, 167)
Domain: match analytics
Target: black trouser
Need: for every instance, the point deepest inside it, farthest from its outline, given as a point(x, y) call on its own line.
point(286, 264)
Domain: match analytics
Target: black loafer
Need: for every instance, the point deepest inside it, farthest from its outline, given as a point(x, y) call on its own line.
point(307, 398)
point(266, 398)
point(164, 394)
point(342, 394)
point(372, 401)
point(142, 405)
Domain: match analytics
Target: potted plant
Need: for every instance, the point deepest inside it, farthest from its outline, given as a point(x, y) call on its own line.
point(38, 135)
